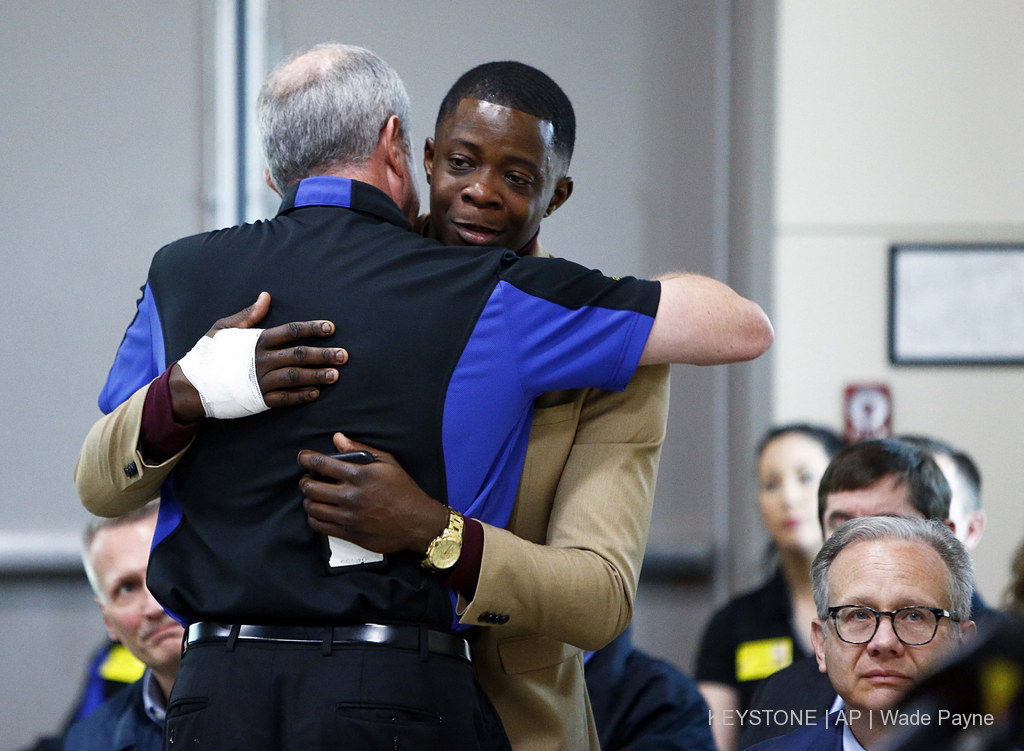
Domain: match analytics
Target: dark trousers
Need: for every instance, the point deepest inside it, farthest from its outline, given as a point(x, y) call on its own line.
point(259, 696)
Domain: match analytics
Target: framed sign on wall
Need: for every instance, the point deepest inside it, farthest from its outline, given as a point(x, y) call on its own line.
point(956, 304)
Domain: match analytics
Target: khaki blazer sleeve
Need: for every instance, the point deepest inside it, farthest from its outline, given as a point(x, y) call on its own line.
point(568, 564)
point(111, 476)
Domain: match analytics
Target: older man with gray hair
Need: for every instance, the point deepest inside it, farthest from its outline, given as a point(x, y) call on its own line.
point(894, 599)
point(115, 553)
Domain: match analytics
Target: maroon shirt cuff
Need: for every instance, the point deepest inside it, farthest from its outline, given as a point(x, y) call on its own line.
point(466, 572)
point(161, 437)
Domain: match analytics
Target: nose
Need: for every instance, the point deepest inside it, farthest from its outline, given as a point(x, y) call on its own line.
point(481, 191)
point(790, 494)
point(885, 639)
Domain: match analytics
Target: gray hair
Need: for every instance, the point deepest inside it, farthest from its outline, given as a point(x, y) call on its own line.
point(325, 107)
point(98, 523)
point(872, 528)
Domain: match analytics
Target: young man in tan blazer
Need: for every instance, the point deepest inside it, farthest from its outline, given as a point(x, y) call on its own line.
point(562, 576)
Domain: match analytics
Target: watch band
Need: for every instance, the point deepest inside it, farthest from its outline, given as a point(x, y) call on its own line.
point(444, 550)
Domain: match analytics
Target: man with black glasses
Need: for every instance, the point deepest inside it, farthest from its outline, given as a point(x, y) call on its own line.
point(869, 478)
point(893, 597)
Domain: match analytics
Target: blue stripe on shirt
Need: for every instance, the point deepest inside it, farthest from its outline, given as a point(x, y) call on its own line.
point(526, 335)
point(139, 359)
point(487, 414)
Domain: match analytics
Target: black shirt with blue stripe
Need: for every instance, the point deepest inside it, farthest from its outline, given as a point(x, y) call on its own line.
point(448, 347)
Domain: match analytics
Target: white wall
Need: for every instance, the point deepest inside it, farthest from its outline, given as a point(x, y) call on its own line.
point(897, 122)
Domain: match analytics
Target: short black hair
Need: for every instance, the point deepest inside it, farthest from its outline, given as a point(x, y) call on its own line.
point(862, 464)
point(520, 87)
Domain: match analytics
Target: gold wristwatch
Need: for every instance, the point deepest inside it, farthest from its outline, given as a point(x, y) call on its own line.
point(444, 550)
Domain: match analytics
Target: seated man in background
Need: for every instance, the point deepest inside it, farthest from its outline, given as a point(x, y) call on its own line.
point(885, 476)
point(865, 479)
point(893, 597)
point(640, 701)
point(115, 553)
point(965, 512)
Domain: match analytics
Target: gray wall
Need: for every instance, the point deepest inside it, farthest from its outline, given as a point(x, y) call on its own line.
point(102, 136)
point(103, 125)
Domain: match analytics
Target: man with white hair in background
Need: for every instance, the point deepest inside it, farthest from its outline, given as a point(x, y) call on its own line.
point(965, 512)
point(893, 597)
point(115, 553)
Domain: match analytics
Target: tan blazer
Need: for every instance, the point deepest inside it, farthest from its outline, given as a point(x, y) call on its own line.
point(562, 576)
point(565, 571)
point(111, 476)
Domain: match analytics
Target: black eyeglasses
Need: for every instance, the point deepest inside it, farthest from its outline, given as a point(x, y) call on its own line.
point(914, 625)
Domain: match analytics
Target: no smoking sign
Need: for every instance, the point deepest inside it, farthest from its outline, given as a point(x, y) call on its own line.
point(867, 411)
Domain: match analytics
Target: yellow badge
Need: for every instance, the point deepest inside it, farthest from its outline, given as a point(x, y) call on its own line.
point(759, 659)
point(121, 665)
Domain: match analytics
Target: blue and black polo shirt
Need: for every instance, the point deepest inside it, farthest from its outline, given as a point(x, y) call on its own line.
point(448, 347)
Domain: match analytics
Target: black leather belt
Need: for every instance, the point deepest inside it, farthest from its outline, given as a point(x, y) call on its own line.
point(401, 637)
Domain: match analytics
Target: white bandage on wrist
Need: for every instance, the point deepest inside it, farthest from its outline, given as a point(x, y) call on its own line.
point(223, 370)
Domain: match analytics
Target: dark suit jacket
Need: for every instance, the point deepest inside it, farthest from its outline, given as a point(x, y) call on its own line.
point(119, 724)
point(827, 735)
point(800, 687)
point(641, 702)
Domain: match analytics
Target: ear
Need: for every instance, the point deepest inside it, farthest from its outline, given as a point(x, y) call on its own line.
point(818, 640)
point(391, 167)
point(428, 158)
point(975, 529)
point(393, 146)
point(269, 181)
point(968, 630)
point(563, 189)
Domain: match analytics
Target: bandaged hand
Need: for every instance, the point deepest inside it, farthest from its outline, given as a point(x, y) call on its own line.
point(223, 370)
point(236, 370)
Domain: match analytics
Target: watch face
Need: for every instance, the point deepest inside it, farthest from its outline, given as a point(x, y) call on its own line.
point(445, 553)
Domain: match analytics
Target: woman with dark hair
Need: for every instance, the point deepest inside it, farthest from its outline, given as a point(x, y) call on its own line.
point(756, 634)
